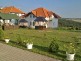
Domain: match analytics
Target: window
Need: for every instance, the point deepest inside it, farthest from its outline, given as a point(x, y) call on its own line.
point(33, 16)
point(30, 16)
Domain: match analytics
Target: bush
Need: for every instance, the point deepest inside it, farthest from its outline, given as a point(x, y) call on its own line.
point(19, 40)
point(54, 47)
point(1, 34)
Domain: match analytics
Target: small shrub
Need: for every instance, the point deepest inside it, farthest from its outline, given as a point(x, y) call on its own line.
point(1, 34)
point(19, 39)
point(54, 47)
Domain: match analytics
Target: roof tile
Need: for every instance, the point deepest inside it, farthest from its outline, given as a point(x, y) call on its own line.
point(42, 12)
point(11, 9)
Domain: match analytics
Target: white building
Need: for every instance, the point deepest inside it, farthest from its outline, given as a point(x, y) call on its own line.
point(52, 18)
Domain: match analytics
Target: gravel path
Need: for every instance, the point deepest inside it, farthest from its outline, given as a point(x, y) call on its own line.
point(9, 53)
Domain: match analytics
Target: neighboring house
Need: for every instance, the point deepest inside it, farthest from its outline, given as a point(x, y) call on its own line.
point(8, 20)
point(12, 10)
point(23, 23)
point(51, 17)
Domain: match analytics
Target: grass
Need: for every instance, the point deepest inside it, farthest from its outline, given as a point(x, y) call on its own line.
point(42, 40)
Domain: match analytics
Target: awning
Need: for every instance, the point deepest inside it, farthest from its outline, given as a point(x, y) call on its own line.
point(8, 16)
point(23, 20)
point(40, 19)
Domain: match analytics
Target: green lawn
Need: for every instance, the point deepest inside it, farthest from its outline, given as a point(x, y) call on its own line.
point(43, 38)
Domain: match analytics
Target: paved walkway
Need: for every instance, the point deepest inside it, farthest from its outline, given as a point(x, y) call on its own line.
point(9, 53)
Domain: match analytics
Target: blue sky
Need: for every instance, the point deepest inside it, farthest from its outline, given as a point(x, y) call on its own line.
point(64, 8)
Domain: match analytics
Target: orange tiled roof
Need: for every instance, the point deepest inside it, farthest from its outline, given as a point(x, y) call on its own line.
point(41, 12)
point(11, 9)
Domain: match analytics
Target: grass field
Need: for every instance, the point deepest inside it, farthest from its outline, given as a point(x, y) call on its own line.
point(43, 38)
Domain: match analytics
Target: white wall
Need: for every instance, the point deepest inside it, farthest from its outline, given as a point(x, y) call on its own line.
point(30, 19)
point(1, 21)
point(53, 23)
point(20, 15)
point(7, 21)
point(47, 18)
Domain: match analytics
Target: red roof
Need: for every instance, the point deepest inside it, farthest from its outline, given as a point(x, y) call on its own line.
point(11, 9)
point(42, 12)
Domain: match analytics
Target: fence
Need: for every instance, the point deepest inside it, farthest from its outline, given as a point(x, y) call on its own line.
point(5, 27)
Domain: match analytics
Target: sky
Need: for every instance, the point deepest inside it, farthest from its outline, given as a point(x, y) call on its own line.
point(64, 8)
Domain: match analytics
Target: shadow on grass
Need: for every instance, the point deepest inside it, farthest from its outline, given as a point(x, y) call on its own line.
point(77, 57)
point(1, 40)
point(60, 53)
point(12, 41)
point(18, 44)
point(41, 48)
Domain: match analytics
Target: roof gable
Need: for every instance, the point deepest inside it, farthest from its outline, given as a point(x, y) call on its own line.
point(56, 16)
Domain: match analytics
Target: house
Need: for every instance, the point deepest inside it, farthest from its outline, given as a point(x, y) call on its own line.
point(23, 23)
point(8, 21)
point(12, 10)
point(52, 18)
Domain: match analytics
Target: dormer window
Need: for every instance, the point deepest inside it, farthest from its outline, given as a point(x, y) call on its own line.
point(31, 16)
